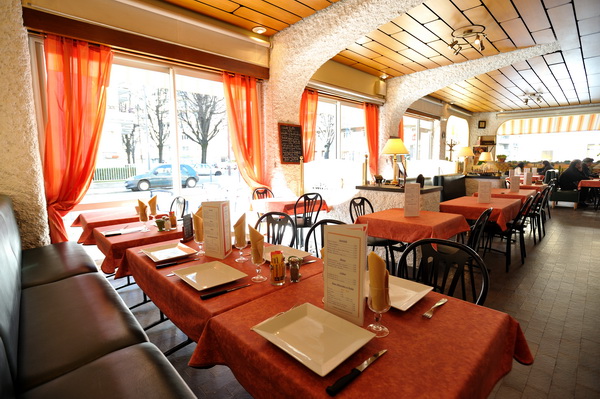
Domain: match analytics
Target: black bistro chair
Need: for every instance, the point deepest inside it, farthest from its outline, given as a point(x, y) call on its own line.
point(306, 213)
point(179, 205)
point(315, 238)
point(450, 267)
point(361, 206)
point(262, 192)
point(278, 226)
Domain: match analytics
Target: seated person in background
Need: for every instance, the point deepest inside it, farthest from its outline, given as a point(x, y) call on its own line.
point(586, 166)
point(569, 179)
point(547, 167)
point(519, 168)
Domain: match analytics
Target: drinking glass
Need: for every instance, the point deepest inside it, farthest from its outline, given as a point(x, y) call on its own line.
point(379, 308)
point(200, 244)
point(240, 246)
point(144, 220)
point(259, 278)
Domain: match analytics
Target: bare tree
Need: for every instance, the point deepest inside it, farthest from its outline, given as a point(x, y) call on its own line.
point(157, 112)
point(326, 132)
point(129, 142)
point(201, 118)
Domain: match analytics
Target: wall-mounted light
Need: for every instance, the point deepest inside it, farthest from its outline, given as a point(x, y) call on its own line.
point(461, 37)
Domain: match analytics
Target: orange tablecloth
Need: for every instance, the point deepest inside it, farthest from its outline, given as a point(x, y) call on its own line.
point(534, 178)
point(285, 205)
point(588, 183)
point(506, 193)
point(181, 302)
point(505, 209)
point(90, 220)
point(393, 225)
point(461, 352)
point(114, 247)
point(536, 187)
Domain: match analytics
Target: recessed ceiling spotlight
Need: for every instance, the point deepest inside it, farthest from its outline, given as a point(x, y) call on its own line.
point(383, 77)
point(259, 29)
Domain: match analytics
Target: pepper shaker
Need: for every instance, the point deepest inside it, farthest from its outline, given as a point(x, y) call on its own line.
point(294, 263)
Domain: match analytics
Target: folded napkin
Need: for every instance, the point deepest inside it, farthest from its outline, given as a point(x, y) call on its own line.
point(152, 205)
point(378, 282)
point(143, 211)
point(239, 229)
point(198, 226)
point(257, 243)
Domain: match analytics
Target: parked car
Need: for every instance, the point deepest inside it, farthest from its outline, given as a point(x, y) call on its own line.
point(204, 169)
point(161, 176)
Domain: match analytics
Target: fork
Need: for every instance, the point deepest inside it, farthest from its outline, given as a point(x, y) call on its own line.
point(429, 313)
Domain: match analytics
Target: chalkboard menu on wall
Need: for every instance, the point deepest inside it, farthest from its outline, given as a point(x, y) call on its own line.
point(290, 142)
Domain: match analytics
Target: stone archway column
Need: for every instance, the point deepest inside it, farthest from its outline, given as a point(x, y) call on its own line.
point(21, 171)
point(300, 50)
point(404, 90)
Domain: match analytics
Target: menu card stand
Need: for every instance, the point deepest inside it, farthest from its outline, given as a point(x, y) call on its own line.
point(484, 195)
point(188, 230)
point(527, 179)
point(412, 199)
point(344, 270)
point(217, 229)
point(515, 182)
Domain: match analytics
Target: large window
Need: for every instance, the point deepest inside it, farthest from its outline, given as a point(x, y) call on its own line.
point(340, 148)
point(554, 147)
point(422, 137)
point(148, 131)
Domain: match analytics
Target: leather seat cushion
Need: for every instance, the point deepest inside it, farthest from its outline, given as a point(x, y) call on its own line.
point(69, 323)
point(138, 371)
point(54, 262)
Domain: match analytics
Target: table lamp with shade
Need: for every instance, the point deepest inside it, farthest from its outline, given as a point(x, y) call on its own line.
point(486, 157)
point(465, 153)
point(395, 146)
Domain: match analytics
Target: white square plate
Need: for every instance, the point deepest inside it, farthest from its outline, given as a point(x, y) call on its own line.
point(405, 293)
point(161, 253)
point(316, 338)
point(287, 252)
point(208, 275)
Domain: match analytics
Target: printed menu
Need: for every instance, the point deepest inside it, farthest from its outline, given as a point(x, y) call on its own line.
point(484, 195)
point(515, 182)
point(217, 229)
point(344, 270)
point(412, 199)
point(527, 178)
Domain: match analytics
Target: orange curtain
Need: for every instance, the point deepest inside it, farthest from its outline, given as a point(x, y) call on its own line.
point(308, 122)
point(77, 77)
point(401, 128)
point(372, 127)
point(244, 128)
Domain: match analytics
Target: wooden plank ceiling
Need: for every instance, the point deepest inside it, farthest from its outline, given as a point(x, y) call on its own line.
point(419, 40)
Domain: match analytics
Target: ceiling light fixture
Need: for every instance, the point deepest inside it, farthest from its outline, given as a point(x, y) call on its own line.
point(259, 29)
point(461, 36)
point(535, 96)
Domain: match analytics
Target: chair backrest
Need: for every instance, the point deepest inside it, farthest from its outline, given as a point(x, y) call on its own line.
point(537, 203)
point(262, 192)
point(550, 175)
point(359, 206)
point(421, 180)
point(278, 225)
point(520, 218)
point(307, 207)
point(179, 206)
point(478, 228)
point(451, 268)
point(315, 238)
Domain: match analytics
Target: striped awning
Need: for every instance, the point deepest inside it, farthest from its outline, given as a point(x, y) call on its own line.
point(554, 124)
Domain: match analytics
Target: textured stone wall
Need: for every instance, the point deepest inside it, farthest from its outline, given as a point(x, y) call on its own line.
point(20, 172)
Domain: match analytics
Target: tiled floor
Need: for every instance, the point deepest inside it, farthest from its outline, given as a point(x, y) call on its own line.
point(555, 296)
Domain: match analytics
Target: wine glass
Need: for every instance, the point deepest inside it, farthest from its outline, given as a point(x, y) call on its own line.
point(144, 220)
point(259, 278)
point(200, 244)
point(240, 246)
point(379, 305)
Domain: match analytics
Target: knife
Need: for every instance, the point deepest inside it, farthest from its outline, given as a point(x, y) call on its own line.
point(355, 372)
point(217, 293)
point(174, 263)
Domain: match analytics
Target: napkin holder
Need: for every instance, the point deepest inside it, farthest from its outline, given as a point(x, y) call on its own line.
point(188, 230)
